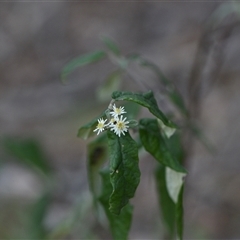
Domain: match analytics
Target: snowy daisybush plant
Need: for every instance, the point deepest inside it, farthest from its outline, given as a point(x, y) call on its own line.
point(113, 155)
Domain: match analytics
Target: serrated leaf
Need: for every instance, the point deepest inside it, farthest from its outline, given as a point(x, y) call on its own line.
point(81, 61)
point(111, 84)
point(119, 224)
point(147, 100)
point(179, 214)
point(155, 144)
point(29, 152)
point(166, 204)
point(125, 174)
point(97, 154)
point(86, 131)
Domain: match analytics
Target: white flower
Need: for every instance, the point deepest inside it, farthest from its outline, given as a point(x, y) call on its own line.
point(113, 121)
point(119, 126)
point(117, 111)
point(101, 125)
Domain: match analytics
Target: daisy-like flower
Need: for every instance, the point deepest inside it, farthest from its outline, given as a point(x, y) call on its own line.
point(117, 111)
point(120, 126)
point(113, 121)
point(101, 125)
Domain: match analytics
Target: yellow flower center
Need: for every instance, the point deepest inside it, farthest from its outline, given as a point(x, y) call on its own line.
point(100, 125)
point(117, 110)
point(121, 125)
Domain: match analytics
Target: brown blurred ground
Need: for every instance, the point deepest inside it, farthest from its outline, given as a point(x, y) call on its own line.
point(37, 39)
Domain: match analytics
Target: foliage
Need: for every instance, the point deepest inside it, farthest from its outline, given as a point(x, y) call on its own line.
point(120, 140)
point(113, 185)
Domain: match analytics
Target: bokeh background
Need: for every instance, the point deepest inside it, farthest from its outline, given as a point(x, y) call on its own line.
point(38, 38)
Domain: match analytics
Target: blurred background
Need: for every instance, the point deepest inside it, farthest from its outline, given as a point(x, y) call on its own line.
point(195, 44)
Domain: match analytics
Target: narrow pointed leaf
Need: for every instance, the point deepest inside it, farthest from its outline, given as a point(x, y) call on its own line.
point(81, 61)
point(112, 46)
point(119, 224)
point(125, 174)
point(147, 100)
point(86, 131)
point(155, 144)
point(166, 204)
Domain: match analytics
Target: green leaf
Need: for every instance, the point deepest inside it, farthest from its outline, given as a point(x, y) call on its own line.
point(29, 152)
point(155, 144)
point(125, 174)
point(147, 100)
point(119, 224)
point(97, 154)
point(132, 109)
point(166, 204)
point(86, 131)
point(175, 179)
point(175, 183)
point(179, 214)
point(112, 46)
point(111, 84)
point(172, 183)
point(81, 61)
point(175, 145)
